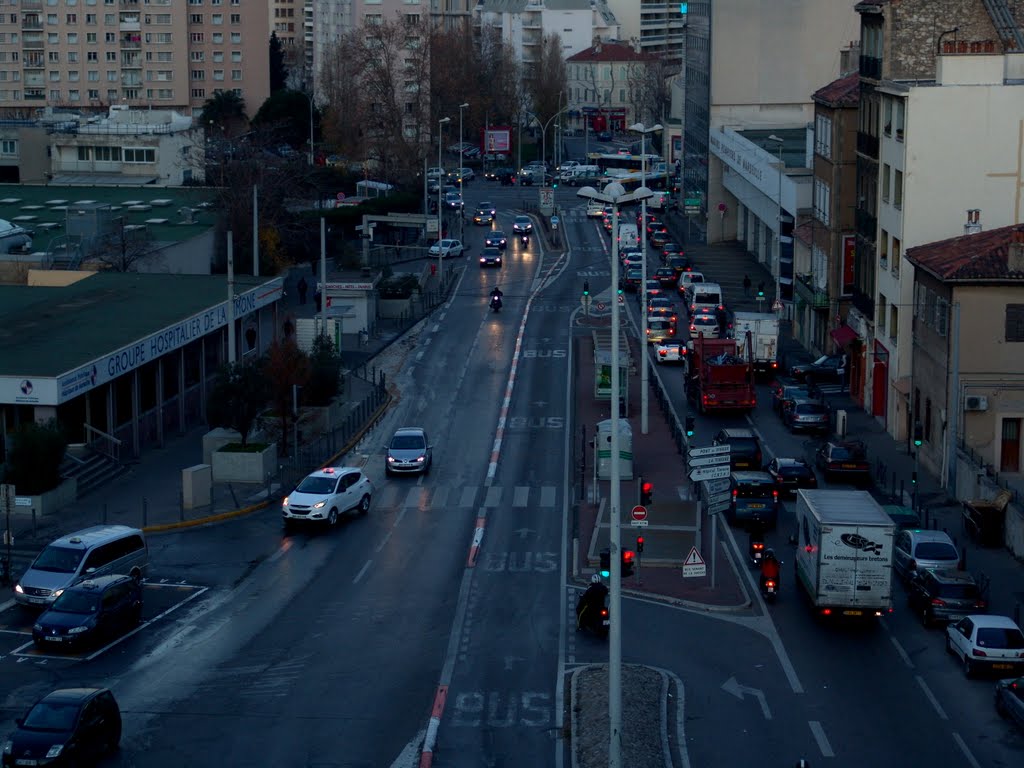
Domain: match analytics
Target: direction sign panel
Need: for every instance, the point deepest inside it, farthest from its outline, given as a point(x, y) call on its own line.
point(710, 450)
point(694, 565)
point(719, 485)
point(721, 506)
point(709, 461)
point(718, 498)
point(709, 473)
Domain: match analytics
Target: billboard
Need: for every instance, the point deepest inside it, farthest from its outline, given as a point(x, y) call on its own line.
point(497, 140)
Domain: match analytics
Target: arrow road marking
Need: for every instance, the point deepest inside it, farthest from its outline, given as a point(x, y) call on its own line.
point(523, 532)
point(737, 690)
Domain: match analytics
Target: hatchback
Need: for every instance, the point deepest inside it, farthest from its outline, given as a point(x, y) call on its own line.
point(917, 548)
point(409, 452)
point(666, 276)
point(790, 475)
point(652, 288)
point(67, 727)
point(944, 595)
point(521, 225)
point(785, 390)
point(89, 613)
point(678, 265)
point(753, 499)
point(745, 448)
point(490, 257)
point(483, 215)
point(660, 329)
point(496, 239)
point(323, 496)
point(992, 642)
point(806, 415)
point(659, 237)
point(844, 461)
point(704, 323)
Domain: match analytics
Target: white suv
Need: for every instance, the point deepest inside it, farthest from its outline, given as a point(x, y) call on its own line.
point(327, 494)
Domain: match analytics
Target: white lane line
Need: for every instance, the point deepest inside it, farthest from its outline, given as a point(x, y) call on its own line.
point(903, 654)
point(363, 570)
point(419, 355)
point(436, 328)
point(547, 496)
point(520, 495)
point(819, 736)
point(493, 496)
point(468, 496)
point(412, 497)
point(931, 697)
point(440, 497)
point(963, 748)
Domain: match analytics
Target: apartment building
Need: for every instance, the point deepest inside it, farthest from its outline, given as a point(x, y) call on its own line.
point(657, 27)
point(523, 24)
point(919, 71)
point(286, 21)
point(601, 81)
point(91, 54)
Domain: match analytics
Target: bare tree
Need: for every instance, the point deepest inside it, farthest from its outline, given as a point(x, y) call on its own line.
point(125, 247)
point(547, 79)
point(648, 83)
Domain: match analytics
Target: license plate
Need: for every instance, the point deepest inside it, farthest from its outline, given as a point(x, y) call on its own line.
point(853, 613)
point(849, 466)
point(54, 638)
point(756, 506)
point(1002, 666)
point(26, 762)
point(771, 590)
point(606, 623)
point(37, 600)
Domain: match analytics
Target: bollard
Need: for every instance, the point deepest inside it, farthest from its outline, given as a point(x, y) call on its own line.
point(181, 505)
point(145, 512)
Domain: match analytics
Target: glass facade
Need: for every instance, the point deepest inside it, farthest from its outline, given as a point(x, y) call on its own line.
point(697, 122)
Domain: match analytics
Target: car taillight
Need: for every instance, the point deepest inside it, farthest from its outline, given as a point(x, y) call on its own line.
point(735, 494)
point(981, 604)
point(826, 611)
point(662, 352)
point(775, 495)
point(937, 601)
point(978, 652)
point(757, 545)
point(769, 583)
point(604, 613)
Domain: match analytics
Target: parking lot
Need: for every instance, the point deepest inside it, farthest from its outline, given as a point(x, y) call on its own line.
point(158, 601)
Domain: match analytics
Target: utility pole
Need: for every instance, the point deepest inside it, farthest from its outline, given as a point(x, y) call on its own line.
point(231, 298)
point(323, 276)
point(255, 232)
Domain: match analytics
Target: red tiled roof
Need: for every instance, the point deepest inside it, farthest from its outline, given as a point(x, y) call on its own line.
point(609, 52)
point(981, 256)
point(844, 92)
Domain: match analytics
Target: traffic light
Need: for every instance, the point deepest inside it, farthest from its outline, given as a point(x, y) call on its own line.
point(760, 294)
point(918, 434)
point(913, 477)
point(586, 287)
point(639, 545)
point(628, 561)
point(690, 424)
point(646, 493)
point(554, 183)
point(606, 563)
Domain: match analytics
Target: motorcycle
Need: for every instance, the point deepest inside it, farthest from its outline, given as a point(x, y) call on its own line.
point(769, 588)
point(496, 303)
point(598, 623)
point(526, 241)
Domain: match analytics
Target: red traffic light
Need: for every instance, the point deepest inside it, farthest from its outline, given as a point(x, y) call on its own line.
point(640, 544)
point(627, 555)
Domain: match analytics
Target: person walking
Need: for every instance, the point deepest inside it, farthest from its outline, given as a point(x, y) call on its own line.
point(303, 288)
point(746, 285)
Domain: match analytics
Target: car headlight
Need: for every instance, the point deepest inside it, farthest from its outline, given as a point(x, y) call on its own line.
point(421, 459)
point(391, 459)
point(57, 593)
point(18, 589)
point(78, 630)
point(284, 502)
point(55, 751)
point(37, 627)
point(320, 504)
point(8, 747)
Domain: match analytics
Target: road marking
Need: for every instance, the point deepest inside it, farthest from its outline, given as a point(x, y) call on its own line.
point(963, 748)
point(419, 355)
point(468, 496)
point(520, 495)
point(931, 697)
point(387, 536)
point(436, 328)
point(493, 496)
point(821, 738)
point(427, 756)
point(285, 546)
point(440, 499)
point(903, 654)
point(547, 496)
point(415, 496)
point(362, 570)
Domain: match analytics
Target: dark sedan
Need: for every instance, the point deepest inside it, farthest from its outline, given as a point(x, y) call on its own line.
point(830, 368)
point(496, 239)
point(659, 237)
point(787, 390)
point(89, 613)
point(666, 276)
point(70, 727)
point(790, 475)
point(846, 462)
point(490, 257)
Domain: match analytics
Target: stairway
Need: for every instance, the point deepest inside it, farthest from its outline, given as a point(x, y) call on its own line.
point(91, 469)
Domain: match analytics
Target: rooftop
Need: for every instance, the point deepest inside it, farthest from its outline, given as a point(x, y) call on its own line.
point(844, 92)
point(984, 256)
point(794, 143)
point(45, 331)
point(609, 52)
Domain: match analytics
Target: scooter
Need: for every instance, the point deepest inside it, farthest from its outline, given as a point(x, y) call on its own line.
point(769, 589)
point(496, 303)
point(525, 241)
point(598, 623)
point(756, 553)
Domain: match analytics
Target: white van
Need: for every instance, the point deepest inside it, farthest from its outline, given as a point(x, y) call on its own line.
point(705, 297)
point(91, 552)
point(582, 174)
point(686, 279)
point(628, 237)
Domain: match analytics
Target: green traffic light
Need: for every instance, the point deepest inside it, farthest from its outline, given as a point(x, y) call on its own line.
point(606, 574)
point(760, 294)
point(918, 443)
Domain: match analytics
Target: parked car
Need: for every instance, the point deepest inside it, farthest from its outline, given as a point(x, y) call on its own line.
point(827, 368)
point(409, 452)
point(785, 391)
point(68, 727)
point(437, 173)
point(806, 415)
point(1010, 700)
point(918, 548)
point(844, 461)
point(944, 595)
point(490, 257)
point(790, 475)
point(994, 643)
point(745, 448)
point(447, 248)
point(323, 496)
point(90, 613)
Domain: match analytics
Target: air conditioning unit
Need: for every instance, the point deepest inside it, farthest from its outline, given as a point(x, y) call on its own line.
point(975, 403)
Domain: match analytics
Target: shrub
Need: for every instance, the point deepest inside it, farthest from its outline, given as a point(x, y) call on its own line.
point(324, 374)
point(33, 464)
point(238, 395)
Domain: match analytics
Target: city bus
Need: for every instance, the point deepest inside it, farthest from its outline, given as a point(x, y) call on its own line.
point(626, 169)
point(373, 189)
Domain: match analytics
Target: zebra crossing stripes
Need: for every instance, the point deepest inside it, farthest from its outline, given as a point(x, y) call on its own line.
point(465, 497)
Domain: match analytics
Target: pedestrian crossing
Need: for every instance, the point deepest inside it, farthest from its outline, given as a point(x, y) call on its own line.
point(396, 494)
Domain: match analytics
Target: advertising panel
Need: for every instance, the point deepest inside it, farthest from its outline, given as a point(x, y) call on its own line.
point(497, 140)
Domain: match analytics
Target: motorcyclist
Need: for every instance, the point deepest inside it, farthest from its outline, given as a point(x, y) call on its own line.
point(496, 293)
point(769, 568)
point(591, 601)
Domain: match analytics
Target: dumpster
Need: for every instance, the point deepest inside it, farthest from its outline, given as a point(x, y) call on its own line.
point(984, 521)
point(604, 450)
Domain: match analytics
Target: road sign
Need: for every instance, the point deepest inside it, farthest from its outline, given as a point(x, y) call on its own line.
point(23, 501)
point(554, 222)
point(691, 206)
point(718, 497)
point(340, 196)
point(716, 486)
point(711, 450)
point(714, 509)
point(709, 461)
point(639, 512)
point(693, 565)
point(600, 306)
point(709, 473)
point(776, 306)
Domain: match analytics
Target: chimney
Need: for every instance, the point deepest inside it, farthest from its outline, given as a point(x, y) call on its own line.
point(973, 225)
point(1015, 251)
point(849, 58)
point(597, 46)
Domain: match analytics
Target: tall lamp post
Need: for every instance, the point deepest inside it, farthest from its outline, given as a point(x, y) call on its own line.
point(615, 195)
point(311, 105)
point(639, 128)
point(544, 139)
point(440, 215)
point(462, 217)
point(778, 224)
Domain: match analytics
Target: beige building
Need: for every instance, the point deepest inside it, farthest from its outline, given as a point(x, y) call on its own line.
point(160, 53)
point(967, 346)
point(601, 80)
point(657, 27)
point(523, 24)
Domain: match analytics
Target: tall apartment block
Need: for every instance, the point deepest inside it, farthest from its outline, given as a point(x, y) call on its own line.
point(92, 54)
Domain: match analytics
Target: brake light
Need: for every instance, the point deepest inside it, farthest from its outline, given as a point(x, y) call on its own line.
point(978, 652)
point(721, 306)
point(937, 601)
point(757, 544)
point(735, 494)
point(769, 583)
point(775, 495)
point(661, 352)
point(981, 604)
point(604, 613)
point(826, 611)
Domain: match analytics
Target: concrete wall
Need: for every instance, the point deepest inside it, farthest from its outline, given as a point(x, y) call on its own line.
point(973, 484)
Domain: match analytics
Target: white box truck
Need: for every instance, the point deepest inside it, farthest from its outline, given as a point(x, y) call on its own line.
point(844, 553)
point(764, 335)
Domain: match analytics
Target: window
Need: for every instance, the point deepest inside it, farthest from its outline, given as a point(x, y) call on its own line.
point(111, 76)
point(1015, 322)
point(195, 18)
point(900, 115)
point(236, 56)
point(887, 117)
point(881, 312)
point(218, 19)
point(897, 254)
point(94, 94)
point(53, 57)
point(198, 93)
point(236, 74)
point(91, 38)
point(71, 18)
point(823, 136)
point(92, 56)
point(218, 38)
point(236, 19)
point(196, 37)
point(198, 74)
point(822, 201)
point(107, 154)
point(218, 74)
point(894, 322)
point(218, 57)
point(198, 56)
point(236, 37)
point(9, 147)
point(72, 38)
point(883, 250)
point(139, 155)
point(897, 191)
point(886, 181)
point(83, 153)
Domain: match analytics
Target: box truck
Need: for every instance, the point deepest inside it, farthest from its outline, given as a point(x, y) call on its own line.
point(844, 552)
point(764, 334)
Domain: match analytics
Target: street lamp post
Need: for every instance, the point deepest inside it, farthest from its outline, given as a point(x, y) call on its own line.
point(778, 224)
point(615, 194)
point(440, 215)
point(544, 138)
point(462, 217)
point(639, 128)
point(311, 105)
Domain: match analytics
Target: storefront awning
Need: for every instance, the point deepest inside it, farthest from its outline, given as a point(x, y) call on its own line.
point(844, 335)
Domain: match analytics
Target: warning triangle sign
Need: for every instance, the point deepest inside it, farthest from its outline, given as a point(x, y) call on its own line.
point(693, 558)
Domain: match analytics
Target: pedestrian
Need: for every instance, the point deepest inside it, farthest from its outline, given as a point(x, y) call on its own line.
point(746, 285)
point(303, 287)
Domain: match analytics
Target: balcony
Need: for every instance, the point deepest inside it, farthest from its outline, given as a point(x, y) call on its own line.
point(33, 63)
point(806, 289)
point(31, 23)
point(131, 23)
point(131, 61)
point(131, 42)
point(31, 5)
point(866, 224)
point(35, 96)
point(32, 42)
point(867, 144)
point(871, 67)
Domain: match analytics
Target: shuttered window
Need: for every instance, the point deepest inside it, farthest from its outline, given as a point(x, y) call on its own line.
point(1015, 322)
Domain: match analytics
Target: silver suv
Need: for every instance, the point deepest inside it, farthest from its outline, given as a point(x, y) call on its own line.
point(327, 494)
